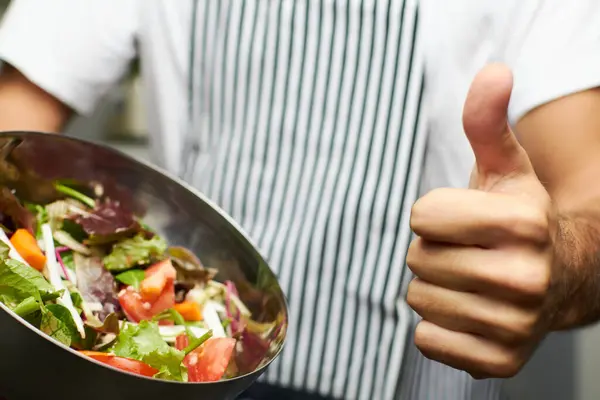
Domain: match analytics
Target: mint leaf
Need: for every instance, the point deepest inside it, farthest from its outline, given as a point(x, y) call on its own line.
point(58, 323)
point(132, 277)
point(143, 342)
point(133, 252)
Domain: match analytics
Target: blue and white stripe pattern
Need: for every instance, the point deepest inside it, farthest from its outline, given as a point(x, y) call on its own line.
point(307, 129)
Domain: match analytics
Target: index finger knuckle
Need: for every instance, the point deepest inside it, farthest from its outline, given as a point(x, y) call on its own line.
point(424, 208)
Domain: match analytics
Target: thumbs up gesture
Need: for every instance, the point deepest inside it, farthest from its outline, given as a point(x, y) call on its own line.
point(483, 256)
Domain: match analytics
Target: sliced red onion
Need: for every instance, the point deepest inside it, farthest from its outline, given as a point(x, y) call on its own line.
point(62, 266)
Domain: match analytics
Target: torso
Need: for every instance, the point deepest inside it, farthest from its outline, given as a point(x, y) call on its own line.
point(302, 120)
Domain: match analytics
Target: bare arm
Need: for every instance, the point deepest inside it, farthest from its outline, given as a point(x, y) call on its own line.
point(24, 106)
point(562, 139)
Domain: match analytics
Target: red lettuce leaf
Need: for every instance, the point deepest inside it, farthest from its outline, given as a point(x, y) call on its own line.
point(96, 285)
point(107, 223)
point(11, 210)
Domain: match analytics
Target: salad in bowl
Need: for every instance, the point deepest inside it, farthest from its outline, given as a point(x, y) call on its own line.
point(85, 271)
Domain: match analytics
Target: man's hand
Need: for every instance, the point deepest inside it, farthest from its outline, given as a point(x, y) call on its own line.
point(483, 259)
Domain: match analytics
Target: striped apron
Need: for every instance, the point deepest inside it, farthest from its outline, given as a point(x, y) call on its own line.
point(306, 127)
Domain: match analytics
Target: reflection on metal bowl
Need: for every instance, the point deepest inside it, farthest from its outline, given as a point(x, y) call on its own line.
point(33, 366)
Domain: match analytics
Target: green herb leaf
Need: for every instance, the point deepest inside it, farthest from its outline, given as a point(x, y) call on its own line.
point(134, 252)
point(132, 277)
point(58, 323)
point(143, 342)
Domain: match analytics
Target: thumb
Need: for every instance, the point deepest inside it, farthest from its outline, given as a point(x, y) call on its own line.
point(497, 151)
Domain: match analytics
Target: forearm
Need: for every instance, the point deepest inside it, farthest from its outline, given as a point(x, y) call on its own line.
point(24, 106)
point(577, 266)
point(561, 139)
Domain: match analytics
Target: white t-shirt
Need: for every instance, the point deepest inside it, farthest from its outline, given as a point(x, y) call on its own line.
point(306, 121)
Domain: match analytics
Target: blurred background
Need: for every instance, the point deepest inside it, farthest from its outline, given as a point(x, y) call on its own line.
point(119, 120)
point(565, 367)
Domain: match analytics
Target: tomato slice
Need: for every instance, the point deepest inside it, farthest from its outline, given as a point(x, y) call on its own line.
point(157, 278)
point(165, 301)
point(134, 307)
point(208, 362)
point(122, 363)
point(152, 287)
point(164, 267)
point(182, 341)
point(137, 309)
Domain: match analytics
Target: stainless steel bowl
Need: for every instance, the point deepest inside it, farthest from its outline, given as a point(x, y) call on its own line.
point(34, 366)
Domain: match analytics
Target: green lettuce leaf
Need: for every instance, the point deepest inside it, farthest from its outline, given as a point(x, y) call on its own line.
point(134, 252)
point(133, 277)
point(4, 250)
point(19, 281)
point(168, 364)
point(57, 322)
point(143, 342)
point(27, 307)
